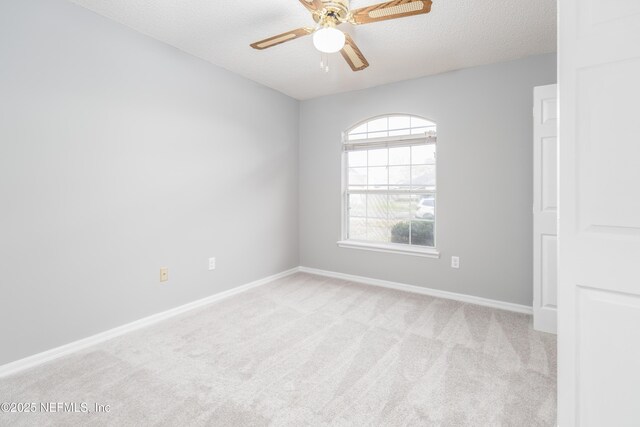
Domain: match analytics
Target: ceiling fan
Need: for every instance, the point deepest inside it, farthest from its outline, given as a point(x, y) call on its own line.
point(329, 14)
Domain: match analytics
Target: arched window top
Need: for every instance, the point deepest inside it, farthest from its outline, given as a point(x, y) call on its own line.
point(393, 125)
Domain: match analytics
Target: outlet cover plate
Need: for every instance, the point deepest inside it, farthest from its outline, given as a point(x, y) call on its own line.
point(455, 262)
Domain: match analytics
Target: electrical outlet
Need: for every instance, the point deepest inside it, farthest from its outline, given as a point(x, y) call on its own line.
point(455, 262)
point(212, 263)
point(164, 274)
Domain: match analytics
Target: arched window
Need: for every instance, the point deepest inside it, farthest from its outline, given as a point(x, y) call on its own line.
point(389, 180)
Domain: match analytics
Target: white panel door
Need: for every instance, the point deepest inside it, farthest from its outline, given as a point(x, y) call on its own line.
point(599, 213)
point(545, 207)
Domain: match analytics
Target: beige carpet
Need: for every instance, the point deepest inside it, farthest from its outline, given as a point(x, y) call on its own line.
point(306, 350)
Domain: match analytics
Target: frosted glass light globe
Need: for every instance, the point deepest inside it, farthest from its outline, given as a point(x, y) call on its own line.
point(328, 40)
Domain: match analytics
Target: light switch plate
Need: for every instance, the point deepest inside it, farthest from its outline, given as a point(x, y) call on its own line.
point(212, 263)
point(164, 274)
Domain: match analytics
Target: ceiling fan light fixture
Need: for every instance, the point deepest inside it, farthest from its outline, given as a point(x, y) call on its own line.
point(329, 40)
point(329, 14)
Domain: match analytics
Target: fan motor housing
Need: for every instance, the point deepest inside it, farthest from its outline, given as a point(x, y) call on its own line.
point(334, 10)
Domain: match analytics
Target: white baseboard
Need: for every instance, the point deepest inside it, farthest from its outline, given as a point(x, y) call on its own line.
point(424, 291)
point(49, 355)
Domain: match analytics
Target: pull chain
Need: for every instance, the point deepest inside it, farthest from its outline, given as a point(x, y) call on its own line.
point(324, 62)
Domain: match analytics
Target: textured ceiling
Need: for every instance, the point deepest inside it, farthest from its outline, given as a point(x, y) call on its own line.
point(456, 34)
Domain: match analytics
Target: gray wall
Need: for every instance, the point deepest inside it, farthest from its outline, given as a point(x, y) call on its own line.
point(120, 155)
point(484, 118)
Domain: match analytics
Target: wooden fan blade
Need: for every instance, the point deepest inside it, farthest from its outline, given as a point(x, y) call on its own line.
point(352, 54)
point(281, 38)
point(390, 10)
point(313, 5)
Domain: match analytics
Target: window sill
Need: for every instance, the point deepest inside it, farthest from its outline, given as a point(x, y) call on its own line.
point(390, 248)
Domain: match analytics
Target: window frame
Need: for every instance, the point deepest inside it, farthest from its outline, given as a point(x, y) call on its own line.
point(398, 248)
